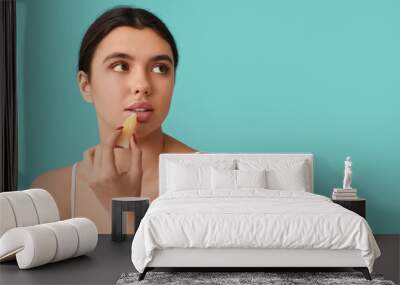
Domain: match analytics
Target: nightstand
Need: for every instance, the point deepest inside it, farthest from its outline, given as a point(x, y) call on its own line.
point(358, 206)
point(138, 205)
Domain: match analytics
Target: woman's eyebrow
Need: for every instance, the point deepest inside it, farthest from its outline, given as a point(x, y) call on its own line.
point(117, 55)
point(127, 56)
point(162, 57)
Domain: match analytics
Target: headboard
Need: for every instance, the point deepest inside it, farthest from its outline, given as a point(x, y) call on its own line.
point(167, 157)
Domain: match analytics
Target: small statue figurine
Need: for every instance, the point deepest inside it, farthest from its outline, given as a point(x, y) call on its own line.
point(347, 174)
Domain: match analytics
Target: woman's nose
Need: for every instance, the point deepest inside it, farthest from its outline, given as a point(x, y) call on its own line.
point(140, 85)
point(141, 91)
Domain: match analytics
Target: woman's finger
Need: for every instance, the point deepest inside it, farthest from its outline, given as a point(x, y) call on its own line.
point(136, 155)
point(97, 159)
point(107, 152)
point(88, 157)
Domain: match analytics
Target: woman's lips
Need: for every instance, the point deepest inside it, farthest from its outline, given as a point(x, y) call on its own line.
point(143, 117)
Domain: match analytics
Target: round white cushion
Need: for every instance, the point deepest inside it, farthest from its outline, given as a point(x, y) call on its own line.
point(7, 218)
point(45, 205)
point(23, 208)
point(40, 244)
point(26, 208)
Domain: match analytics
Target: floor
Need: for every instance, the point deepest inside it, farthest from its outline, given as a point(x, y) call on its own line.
point(389, 262)
point(102, 266)
point(110, 260)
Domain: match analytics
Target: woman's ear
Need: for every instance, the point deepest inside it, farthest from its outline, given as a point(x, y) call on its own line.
point(84, 86)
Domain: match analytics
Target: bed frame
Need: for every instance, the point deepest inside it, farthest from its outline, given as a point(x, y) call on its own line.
point(250, 258)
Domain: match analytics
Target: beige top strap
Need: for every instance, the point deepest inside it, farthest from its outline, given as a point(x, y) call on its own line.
point(73, 189)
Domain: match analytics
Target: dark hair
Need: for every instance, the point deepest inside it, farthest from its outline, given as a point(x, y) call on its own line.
point(116, 17)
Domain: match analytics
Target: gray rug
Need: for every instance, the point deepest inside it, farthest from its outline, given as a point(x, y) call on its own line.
point(228, 278)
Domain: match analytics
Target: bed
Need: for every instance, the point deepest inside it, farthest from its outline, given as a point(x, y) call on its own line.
point(245, 211)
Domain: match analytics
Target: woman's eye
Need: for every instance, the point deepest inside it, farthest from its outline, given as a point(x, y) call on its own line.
point(120, 67)
point(163, 69)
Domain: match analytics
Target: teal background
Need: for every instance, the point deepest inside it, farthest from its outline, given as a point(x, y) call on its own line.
point(319, 77)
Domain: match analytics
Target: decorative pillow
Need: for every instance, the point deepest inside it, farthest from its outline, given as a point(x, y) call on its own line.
point(281, 174)
point(236, 179)
point(251, 178)
point(184, 175)
point(223, 179)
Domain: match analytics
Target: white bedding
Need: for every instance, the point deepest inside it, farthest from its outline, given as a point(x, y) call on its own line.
point(250, 218)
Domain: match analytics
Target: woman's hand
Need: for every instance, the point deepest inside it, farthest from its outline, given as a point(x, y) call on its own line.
point(104, 177)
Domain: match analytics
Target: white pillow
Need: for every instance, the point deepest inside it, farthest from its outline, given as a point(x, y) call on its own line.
point(251, 178)
point(223, 179)
point(185, 175)
point(281, 174)
point(237, 179)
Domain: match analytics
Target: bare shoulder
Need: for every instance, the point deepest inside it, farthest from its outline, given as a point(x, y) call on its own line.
point(173, 145)
point(58, 183)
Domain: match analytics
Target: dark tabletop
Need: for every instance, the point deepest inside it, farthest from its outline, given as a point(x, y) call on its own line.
point(104, 265)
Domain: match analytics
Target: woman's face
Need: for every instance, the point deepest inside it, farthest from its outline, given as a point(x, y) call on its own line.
point(132, 66)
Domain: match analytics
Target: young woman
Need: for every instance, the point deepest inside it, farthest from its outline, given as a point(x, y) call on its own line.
point(127, 63)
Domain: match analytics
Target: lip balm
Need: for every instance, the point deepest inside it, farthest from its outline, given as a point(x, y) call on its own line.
point(127, 131)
